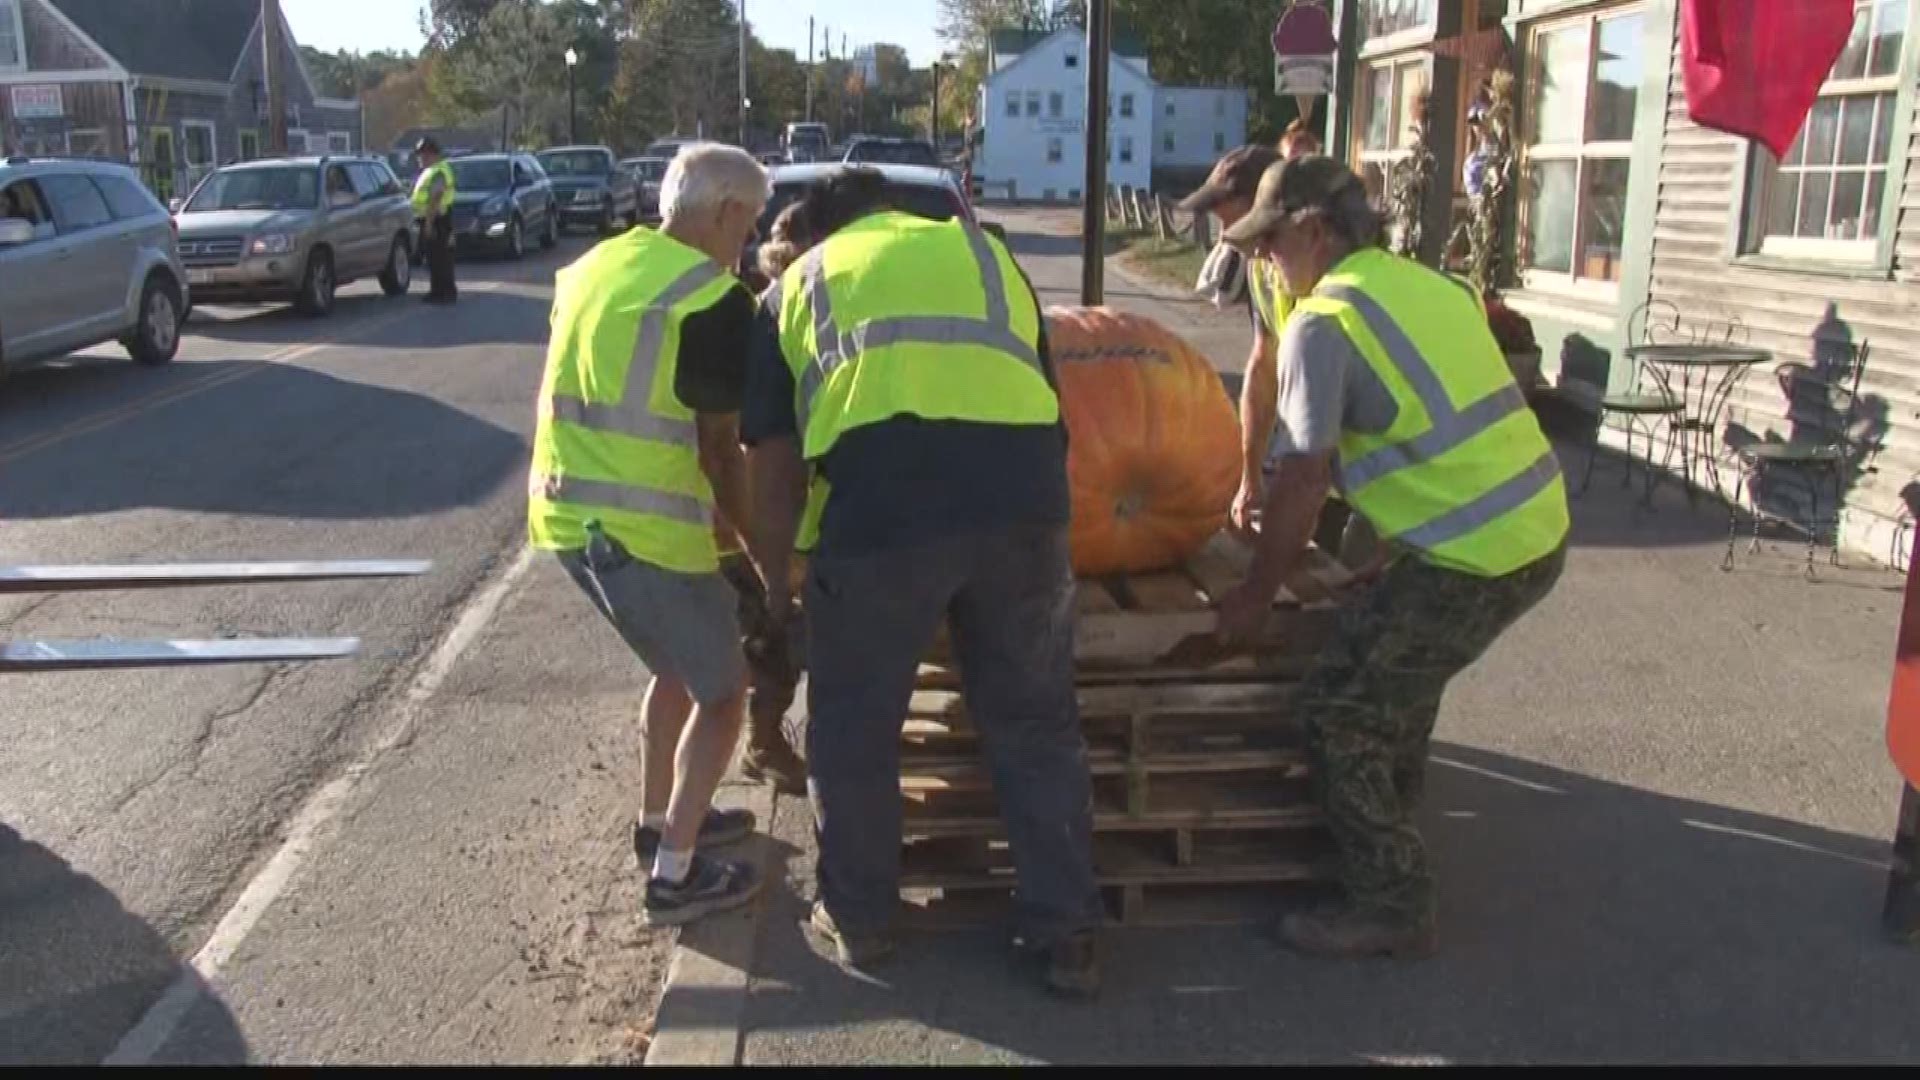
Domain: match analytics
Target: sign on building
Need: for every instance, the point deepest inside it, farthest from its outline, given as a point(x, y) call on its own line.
point(1304, 48)
point(37, 102)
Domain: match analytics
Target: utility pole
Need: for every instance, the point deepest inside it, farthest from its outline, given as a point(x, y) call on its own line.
point(935, 122)
point(276, 77)
point(745, 105)
point(809, 69)
point(1093, 258)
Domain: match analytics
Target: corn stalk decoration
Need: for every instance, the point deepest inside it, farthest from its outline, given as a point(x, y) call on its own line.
point(1410, 181)
point(1489, 175)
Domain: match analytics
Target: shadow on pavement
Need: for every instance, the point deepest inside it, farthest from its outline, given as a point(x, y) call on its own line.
point(333, 449)
point(78, 970)
point(1582, 921)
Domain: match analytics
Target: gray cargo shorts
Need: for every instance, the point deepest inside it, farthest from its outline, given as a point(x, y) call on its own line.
point(682, 626)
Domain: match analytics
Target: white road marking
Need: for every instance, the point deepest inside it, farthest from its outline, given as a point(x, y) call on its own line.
point(1728, 830)
point(1489, 773)
point(146, 1039)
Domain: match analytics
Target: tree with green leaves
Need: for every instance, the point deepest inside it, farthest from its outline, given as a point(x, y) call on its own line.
point(514, 61)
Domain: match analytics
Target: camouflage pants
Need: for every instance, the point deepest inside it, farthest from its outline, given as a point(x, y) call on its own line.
point(773, 661)
point(1370, 704)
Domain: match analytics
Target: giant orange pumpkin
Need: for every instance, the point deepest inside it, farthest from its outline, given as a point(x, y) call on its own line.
point(1155, 443)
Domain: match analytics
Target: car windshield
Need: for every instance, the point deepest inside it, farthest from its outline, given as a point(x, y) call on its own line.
point(491, 175)
point(647, 170)
point(575, 163)
point(903, 153)
point(926, 200)
point(258, 189)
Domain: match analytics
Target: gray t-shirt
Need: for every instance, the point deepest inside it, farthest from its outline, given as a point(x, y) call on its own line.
point(1326, 387)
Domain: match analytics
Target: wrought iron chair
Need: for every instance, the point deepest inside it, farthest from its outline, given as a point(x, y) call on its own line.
point(1650, 404)
point(1830, 435)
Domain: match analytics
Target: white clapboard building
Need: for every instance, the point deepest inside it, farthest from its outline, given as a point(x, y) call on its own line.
point(1033, 112)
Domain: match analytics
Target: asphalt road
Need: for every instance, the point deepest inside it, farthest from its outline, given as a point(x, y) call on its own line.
point(136, 808)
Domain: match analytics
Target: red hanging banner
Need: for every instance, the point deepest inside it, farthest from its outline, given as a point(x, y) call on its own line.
point(1753, 67)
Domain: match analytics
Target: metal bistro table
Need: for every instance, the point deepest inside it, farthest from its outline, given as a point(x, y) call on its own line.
point(1709, 373)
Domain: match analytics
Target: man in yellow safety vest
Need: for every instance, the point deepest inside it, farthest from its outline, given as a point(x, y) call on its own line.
point(636, 450)
point(906, 365)
point(1391, 388)
point(433, 194)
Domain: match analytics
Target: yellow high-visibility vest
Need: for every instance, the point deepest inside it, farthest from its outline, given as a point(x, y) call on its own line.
point(1464, 474)
point(896, 315)
point(614, 444)
point(423, 189)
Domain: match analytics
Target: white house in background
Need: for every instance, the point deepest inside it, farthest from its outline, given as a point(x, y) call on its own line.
point(1033, 110)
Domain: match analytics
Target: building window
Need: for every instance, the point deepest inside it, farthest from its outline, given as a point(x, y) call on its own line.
point(1013, 103)
point(1169, 108)
point(1126, 106)
point(1126, 149)
point(1033, 103)
point(1385, 18)
point(1824, 200)
point(88, 143)
point(13, 37)
point(1166, 142)
point(1056, 103)
point(1219, 106)
point(249, 145)
point(199, 139)
point(1388, 91)
point(1054, 151)
point(1073, 60)
point(1582, 87)
point(1219, 142)
point(339, 142)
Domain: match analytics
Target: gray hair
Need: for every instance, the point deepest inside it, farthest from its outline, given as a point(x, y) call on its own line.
point(1349, 216)
point(705, 175)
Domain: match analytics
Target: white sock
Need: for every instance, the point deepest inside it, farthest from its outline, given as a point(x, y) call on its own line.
point(657, 821)
point(671, 865)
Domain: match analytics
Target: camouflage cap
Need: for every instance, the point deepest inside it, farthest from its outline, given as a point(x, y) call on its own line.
point(1288, 187)
point(1237, 175)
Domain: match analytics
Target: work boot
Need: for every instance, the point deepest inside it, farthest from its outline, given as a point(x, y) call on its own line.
point(852, 949)
point(1346, 932)
point(1071, 965)
point(771, 759)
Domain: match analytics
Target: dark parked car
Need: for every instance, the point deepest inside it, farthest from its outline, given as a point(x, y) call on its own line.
point(877, 151)
point(592, 188)
point(501, 200)
point(647, 172)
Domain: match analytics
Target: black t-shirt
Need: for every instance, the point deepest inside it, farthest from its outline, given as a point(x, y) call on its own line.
point(711, 376)
point(909, 481)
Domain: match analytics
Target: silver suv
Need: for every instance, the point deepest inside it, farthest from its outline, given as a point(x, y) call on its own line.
point(86, 256)
point(296, 229)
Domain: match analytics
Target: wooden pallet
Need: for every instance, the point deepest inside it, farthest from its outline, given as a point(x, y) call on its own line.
point(1199, 770)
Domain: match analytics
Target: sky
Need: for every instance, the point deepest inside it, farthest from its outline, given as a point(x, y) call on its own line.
point(368, 25)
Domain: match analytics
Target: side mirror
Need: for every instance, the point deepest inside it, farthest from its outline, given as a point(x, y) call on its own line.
point(995, 230)
point(176, 205)
point(14, 231)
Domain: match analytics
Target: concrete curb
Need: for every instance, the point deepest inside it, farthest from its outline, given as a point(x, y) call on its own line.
point(704, 1001)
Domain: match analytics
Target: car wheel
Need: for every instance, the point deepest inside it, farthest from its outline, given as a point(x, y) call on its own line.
point(550, 236)
point(516, 240)
point(317, 286)
point(156, 337)
point(397, 278)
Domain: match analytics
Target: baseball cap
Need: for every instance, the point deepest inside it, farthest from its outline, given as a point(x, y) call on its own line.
point(1287, 187)
point(1235, 176)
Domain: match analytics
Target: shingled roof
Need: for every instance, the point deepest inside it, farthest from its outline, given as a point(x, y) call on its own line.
point(179, 39)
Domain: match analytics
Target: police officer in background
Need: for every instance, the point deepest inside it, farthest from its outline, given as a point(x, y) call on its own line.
point(907, 365)
point(433, 195)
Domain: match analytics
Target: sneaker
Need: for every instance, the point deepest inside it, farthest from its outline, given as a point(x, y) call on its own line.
point(711, 885)
point(854, 950)
point(718, 829)
point(1072, 964)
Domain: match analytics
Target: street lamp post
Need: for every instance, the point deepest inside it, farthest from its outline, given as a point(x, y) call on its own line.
point(573, 113)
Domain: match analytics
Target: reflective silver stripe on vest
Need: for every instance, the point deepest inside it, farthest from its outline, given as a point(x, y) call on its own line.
point(1449, 427)
point(633, 414)
point(833, 348)
point(1510, 494)
point(612, 496)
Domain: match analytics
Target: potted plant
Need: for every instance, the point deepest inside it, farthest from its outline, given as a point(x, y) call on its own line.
point(1514, 332)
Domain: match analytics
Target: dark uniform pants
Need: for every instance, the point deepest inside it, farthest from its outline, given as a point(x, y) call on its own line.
point(439, 241)
point(1370, 704)
point(1008, 598)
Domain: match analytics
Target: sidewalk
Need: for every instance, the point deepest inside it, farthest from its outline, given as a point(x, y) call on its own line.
point(1659, 811)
